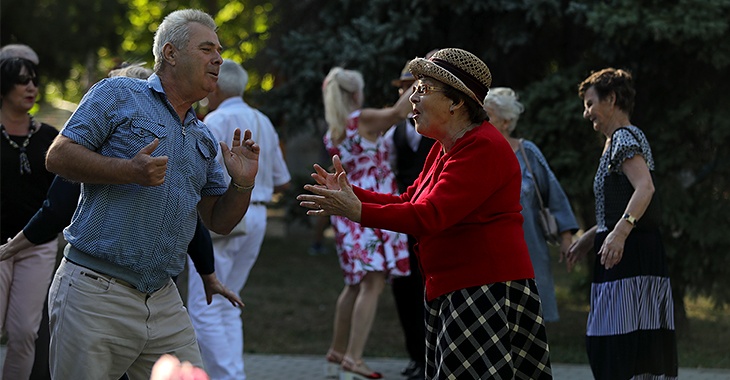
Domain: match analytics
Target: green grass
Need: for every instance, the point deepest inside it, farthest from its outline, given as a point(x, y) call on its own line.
point(290, 299)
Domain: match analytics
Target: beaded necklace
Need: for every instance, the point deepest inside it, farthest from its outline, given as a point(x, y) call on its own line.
point(24, 163)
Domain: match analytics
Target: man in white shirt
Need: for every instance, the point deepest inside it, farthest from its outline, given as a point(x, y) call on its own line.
point(218, 326)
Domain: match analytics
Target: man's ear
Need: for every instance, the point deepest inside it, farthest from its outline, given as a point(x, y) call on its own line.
point(168, 53)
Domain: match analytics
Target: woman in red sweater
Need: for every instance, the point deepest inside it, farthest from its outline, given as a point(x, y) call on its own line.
point(483, 313)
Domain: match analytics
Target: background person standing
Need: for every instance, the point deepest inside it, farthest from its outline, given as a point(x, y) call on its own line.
point(504, 109)
point(218, 325)
point(630, 329)
point(368, 256)
point(24, 181)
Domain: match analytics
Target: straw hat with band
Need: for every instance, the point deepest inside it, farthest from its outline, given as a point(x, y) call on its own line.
point(459, 69)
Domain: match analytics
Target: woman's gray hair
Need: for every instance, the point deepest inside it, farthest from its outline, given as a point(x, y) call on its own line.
point(175, 30)
point(341, 91)
point(132, 70)
point(505, 102)
point(232, 78)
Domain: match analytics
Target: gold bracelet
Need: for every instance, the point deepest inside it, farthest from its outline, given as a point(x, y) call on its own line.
point(242, 189)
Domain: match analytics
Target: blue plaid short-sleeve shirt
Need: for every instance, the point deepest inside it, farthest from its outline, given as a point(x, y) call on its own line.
point(142, 229)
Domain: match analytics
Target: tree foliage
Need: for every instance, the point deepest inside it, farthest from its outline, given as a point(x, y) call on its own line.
point(678, 52)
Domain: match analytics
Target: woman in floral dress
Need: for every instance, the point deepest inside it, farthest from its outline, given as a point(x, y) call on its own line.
point(367, 256)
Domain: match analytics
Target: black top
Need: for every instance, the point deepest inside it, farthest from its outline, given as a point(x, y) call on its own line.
point(22, 194)
point(408, 163)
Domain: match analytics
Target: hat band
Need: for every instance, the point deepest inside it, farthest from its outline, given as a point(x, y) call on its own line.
point(471, 83)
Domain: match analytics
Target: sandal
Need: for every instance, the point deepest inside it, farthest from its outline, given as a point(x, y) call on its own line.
point(334, 362)
point(357, 370)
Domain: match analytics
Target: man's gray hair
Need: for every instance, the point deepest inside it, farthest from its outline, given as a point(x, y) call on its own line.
point(232, 78)
point(175, 30)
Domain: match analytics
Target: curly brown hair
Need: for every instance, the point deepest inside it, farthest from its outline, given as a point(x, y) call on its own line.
point(608, 81)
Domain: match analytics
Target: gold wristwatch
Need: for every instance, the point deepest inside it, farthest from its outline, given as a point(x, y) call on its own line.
point(630, 219)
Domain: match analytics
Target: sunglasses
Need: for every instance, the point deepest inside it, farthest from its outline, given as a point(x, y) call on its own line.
point(423, 89)
point(25, 79)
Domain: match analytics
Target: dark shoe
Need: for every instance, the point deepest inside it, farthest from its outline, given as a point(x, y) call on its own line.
point(419, 374)
point(408, 371)
point(414, 371)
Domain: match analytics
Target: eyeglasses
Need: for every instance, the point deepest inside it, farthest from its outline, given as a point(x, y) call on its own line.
point(423, 89)
point(25, 79)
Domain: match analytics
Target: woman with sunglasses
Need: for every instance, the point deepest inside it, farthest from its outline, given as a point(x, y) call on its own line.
point(24, 279)
point(483, 313)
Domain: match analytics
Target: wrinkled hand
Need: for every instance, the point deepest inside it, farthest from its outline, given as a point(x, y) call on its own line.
point(566, 242)
point(213, 286)
point(332, 195)
point(6, 253)
point(169, 367)
point(612, 249)
point(577, 251)
point(14, 245)
point(148, 170)
point(242, 159)
point(329, 180)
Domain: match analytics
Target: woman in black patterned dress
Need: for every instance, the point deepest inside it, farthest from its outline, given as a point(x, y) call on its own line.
point(630, 329)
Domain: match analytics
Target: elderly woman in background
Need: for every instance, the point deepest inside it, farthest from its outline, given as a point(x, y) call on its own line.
point(24, 278)
point(504, 109)
point(483, 314)
point(368, 256)
point(630, 329)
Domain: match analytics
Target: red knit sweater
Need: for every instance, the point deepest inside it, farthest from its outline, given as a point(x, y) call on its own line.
point(464, 209)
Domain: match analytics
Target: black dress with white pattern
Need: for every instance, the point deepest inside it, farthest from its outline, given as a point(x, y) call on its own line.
point(630, 330)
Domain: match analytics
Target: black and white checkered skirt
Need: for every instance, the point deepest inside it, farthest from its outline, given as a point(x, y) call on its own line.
point(493, 331)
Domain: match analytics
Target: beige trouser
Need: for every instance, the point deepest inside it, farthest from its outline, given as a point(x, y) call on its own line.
point(102, 328)
point(24, 283)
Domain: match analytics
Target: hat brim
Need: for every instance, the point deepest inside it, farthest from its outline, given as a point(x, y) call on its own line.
point(421, 67)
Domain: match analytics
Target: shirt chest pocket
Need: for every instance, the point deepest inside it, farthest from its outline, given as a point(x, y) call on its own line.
point(143, 132)
point(201, 163)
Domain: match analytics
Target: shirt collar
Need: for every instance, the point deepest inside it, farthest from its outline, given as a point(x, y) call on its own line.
point(155, 84)
point(233, 101)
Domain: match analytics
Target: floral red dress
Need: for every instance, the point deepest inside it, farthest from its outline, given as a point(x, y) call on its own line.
point(361, 249)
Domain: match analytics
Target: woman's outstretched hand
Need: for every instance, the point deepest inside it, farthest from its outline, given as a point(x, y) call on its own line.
point(332, 195)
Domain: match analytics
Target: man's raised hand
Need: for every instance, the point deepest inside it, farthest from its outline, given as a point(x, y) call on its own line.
point(242, 159)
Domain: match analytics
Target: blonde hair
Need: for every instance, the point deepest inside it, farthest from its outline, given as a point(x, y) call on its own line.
point(342, 94)
point(505, 102)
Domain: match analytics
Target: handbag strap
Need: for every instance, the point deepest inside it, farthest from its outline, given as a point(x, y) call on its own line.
point(534, 179)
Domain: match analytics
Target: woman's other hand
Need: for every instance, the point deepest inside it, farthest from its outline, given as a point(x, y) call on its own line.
point(329, 180)
point(580, 248)
point(566, 240)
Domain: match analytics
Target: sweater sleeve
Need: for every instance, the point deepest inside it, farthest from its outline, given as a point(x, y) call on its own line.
point(200, 250)
point(55, 213)
point(454, 190)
